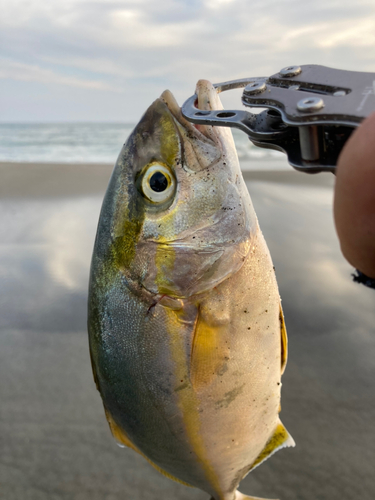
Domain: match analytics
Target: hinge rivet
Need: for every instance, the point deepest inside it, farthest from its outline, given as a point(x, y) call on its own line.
point(310, 104)
point(290, 71)
point(255, 88)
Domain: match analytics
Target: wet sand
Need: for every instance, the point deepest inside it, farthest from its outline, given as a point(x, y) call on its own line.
point(54, 440)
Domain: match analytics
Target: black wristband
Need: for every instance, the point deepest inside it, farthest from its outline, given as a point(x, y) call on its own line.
point(362, 278)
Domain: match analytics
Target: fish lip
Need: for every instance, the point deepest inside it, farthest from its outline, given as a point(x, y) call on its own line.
point(197, 130)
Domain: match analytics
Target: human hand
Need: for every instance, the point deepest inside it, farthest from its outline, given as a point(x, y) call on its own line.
point(354, 203)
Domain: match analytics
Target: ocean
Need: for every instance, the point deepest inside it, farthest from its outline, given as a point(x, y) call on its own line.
point(90, 143)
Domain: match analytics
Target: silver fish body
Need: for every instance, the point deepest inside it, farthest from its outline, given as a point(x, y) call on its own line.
point(185, 325)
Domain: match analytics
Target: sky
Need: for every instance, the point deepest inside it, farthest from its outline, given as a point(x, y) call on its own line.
point(108, 60)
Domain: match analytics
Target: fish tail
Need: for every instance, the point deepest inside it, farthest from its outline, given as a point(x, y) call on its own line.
point(241, 496)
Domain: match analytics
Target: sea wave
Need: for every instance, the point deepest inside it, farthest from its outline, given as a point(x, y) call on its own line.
point(88, 143)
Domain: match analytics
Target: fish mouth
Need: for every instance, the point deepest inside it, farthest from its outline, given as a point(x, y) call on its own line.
point(207, 100)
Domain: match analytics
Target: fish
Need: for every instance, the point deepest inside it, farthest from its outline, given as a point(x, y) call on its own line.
point(186, 330)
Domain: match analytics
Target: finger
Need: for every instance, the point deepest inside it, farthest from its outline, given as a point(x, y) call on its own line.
point(354, 203)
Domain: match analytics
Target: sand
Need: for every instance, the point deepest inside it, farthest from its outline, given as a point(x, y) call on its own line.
point(54, 440)
point(63, 179)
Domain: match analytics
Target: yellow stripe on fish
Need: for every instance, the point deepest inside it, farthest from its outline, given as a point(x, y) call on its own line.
point(209, 353)
point(187, 399)
point(280, 439)
point(284, 341)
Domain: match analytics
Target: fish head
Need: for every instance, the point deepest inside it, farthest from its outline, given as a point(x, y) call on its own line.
point(177, 218)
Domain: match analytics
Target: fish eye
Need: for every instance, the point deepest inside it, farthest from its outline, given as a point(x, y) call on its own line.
point(158, 183)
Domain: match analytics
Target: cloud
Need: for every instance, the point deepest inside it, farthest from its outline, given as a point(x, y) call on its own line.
point(218, 4)
point(132, 30)
point(33, 73)
point(359, 35)
point(140, 47)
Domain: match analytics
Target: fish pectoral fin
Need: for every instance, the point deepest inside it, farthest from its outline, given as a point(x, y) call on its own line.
point(280, 439)
point(241, 496)
point(121, 438)
point(209, 353)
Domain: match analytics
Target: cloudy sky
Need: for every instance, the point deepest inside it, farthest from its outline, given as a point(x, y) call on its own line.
point(107, 60)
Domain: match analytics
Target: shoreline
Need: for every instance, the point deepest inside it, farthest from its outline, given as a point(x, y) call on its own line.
point(45, 180)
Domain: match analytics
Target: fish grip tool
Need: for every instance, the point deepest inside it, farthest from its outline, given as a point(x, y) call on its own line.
point(311, 111)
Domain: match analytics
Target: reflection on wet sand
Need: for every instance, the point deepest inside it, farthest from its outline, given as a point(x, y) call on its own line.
point(55, 441)
point(44, 260)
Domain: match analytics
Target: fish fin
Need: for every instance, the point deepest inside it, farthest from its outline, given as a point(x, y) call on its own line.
point(284, 341)
point(280, 439)
point(241, 496)
point(96, 380)
point(119, 435)
point(208, 355)
point(121, 438)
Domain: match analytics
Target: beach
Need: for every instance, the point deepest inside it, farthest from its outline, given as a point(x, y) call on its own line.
point(55, 442)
